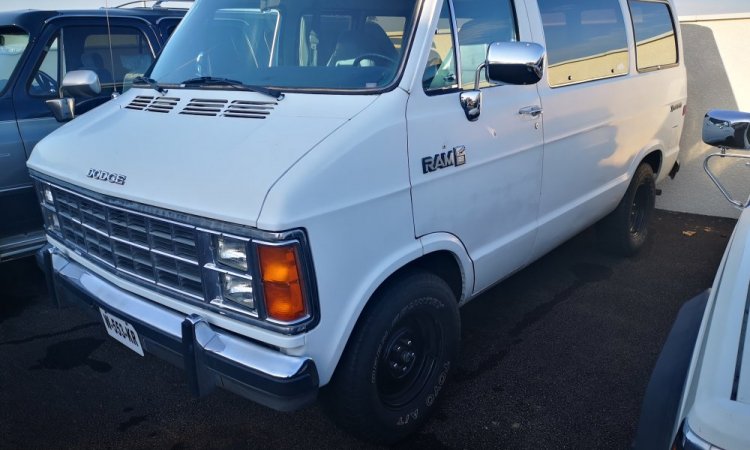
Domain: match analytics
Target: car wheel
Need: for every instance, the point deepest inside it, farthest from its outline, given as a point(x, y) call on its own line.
point(625, 230)
point(397, 360)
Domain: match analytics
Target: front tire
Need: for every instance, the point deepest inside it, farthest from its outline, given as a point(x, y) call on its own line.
point(625, 230)
point(397, 360)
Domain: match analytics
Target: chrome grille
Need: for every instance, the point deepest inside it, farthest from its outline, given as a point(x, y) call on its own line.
point(154, 250)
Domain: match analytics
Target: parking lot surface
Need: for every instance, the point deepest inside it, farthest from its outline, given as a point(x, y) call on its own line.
point(557, 356)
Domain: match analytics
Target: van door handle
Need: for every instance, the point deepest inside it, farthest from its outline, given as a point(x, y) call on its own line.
point(533, 111)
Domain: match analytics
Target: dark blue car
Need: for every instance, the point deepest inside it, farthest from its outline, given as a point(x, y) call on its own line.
point(37, 49)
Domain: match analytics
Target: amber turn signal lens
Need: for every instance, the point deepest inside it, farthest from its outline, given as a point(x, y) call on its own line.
point(281, 283)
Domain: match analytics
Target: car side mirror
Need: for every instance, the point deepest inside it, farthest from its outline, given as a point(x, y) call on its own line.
point(515, 62)
point(76, 83)
point(506, 63)
point(81, 83)
point(62, 108)
point(727, 129)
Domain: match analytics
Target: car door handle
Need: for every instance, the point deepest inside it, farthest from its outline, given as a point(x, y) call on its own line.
point(533, 111)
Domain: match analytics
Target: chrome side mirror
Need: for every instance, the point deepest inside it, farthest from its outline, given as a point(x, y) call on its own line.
point(515, 62)
point(62, 108)
point(81, 83)
point(471, 102)
point(76, 83)
point(506, 63)
point(727, 129)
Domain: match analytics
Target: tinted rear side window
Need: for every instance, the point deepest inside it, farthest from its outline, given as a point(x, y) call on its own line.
point(586, 40)
point(655, 37)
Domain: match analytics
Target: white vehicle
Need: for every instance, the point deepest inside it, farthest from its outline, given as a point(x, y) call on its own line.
point(699, 393)
point(301, 193)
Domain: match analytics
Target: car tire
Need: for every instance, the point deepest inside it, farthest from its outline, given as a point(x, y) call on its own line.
point(397, 360)
point(625, 230)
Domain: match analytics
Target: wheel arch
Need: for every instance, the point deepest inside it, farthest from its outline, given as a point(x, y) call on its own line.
point(653, 155)
point(655, 159)
point(443, 255)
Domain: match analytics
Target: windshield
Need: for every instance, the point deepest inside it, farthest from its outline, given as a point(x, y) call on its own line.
point(13, 42)
point(289, 44)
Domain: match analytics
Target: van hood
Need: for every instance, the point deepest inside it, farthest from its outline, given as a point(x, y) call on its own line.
point(214, 154)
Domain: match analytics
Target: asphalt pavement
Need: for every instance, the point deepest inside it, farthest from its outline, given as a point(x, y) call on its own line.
point(557, 356)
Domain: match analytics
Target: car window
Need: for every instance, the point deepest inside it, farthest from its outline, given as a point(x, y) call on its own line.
point(655, 36)
point(586, 40)
point(45, 82)
point(440, 73)
point(480, 23)
point(290, 45)
point(88, 47)
point(13, 42)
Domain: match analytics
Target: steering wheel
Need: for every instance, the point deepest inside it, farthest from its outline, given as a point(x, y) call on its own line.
point(46, 84)
point(375, 58)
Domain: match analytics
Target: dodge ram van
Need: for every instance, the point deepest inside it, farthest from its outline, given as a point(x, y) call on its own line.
point(37, 49)
point(299, 194)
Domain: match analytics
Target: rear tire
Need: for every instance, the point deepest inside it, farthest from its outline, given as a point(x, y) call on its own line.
point(625, 230)
point(397, 359)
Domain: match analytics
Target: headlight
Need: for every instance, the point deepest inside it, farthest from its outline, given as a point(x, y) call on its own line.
point(263, 279)
point(47, 202)
point(47, 195)
point(51, 220)
point(231, 252)
point(238, 290)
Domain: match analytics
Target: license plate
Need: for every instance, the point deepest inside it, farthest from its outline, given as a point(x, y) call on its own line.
point(122, 331)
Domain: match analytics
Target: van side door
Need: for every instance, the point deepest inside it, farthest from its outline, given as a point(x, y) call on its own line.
point(478, 180)
point(588, 113)
point(73, 44)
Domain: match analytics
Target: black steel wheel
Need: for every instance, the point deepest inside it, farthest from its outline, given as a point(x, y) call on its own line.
point(397, 360)
point(625, 230)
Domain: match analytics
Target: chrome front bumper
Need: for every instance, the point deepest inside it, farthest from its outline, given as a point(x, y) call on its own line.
point(211, 357)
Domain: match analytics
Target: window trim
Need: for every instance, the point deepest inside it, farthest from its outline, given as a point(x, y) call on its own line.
point(635, 42)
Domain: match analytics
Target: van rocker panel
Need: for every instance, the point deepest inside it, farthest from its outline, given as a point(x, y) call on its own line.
point(210, 356)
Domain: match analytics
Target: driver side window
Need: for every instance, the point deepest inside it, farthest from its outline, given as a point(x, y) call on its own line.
point(45, 81)
point(479, 23)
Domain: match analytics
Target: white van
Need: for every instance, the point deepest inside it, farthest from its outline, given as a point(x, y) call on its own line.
point(301, 193)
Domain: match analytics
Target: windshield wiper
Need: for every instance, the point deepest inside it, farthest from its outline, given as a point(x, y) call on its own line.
point(150, 82)
point(234, 84)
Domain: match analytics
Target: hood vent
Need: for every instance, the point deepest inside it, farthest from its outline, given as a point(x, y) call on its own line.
point(243, 109)
point(204, 107)
point(153, 104)
point(249, 110)
point(238, 108)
